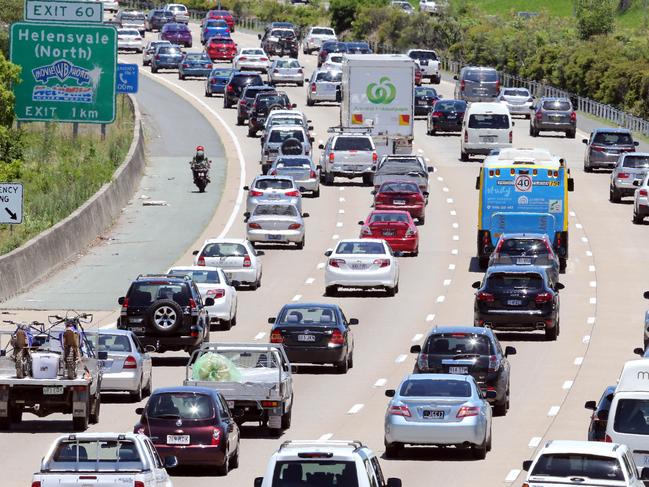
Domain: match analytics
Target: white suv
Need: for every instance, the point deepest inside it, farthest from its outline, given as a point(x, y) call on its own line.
point(348, 155)
point(325, 464)
point(590, 462)
point(316, 36)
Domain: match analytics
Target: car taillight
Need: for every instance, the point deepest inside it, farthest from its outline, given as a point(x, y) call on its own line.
point(208, 66)
point(246, 261)
point(37, 483)
point(294, 226)
point(243, 58)
point(192, 303)
point(466, 137)
point(263, 59)
point(573, 117)
point(382, 262)
point(230, 89)
point(312, 174)
point(276, 337)
point(485, 297)
point(538, 115)
point(200, 261)
point(366, 231)
point(375, 157)
point(125, 304)
point(400, 411)
point(256, 193)
point(337, 338)
point(331, 157)
point(336, 262)
point(293, 193)
point(411, 232)
point(462, 84)
point(216, 437)
point(215, 293)
point(466, 411)
point(313, 87)
point(494, 365)
point(497, 85)
point(511, 135)
point(130, 362)
point(243, 102)
point(299, 71)
point(643, 193)
point(608, 439)
point(623, 175)
point(437, 114)
point(543, 298)
point(185, 65)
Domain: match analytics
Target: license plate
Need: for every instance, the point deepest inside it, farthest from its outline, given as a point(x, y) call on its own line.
point(488, 138)
point(274, 196)
point(52, 390)
point(306, 338)
point(523, 261)
point(422, 102)
point(358, 266)
point(389, 233)
point(458, 370)
point(137, 329)
point(105, 364)
point(136, 320)
point(399, 202)
point(433, 414)
point(451, 117)
point(514, 302)
point(177, 439)
point(274, 237)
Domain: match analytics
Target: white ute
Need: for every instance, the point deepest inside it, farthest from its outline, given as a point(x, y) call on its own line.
point(103, 460)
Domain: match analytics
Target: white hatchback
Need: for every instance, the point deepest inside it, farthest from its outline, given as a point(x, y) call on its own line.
point(362, 263)
point(213, 283)
point(236, 256)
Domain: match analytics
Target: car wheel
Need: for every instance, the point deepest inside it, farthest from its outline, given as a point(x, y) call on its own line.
point(533, 131)
point(80, 423)
point(613, 195)
point(165, 316)
point(480, 451)
point(500, 408)
point(551, 333)
point(415, 253)
point(15, 414)
point(489, 441)
point(316, 193)
point(587, 167)
point(240, 120)
point(392, 450)
point(300, 83)
point(286, 419)
point(464, 157)
point(309, 102)
point(331, 290)
point(637, 219)
point(483, 262)
point(421, 220)
point(94, 416)
point(343, 366)
point(137, 395)
point(225, 325)
point(571, 134)
point(251, 133)
point(223, 470)
point(209, 95)
point(368, 179)
point(154, 70)
point(300, 245)
point(146, 392)
point(234, 459)
point(328, 179)
point(350, 361)
point(391, 291)
point(562, 264)
point(226, 103)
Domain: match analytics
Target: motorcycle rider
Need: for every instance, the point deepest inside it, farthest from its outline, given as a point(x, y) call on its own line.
point(200, 163)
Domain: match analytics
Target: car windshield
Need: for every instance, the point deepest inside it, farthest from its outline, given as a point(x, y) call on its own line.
point(353, 143)
point(428, 92)
point(144, 293)
point(523, 247)
point(331, 76)
point(578, 465)
point(196, 56)
point(169, 50)
point(307, 316)
point(224, 250)
point(315, 472)
point(435, 388)
point(613, 138)
point(287, 63)
point(323, 31)
point(96, 455)
point(128, 32)
point(274, 210)
point(110, 342)
point(557, 105)
point(221, 73)
point(631, 416)
point(282, 135)
point(252, 52)
point(636, 162)
point(457, 344)
point(398, 187)
point(450, 105)
point(389, 217)
point(293, 162)
point(198, 276)
point(180, 405)
point(360, 248)
point(423, 55)
point(274, 183)
point(283, 33)
point(482, 75)
point(221, 40)
point(505, 282)
point(488, 121)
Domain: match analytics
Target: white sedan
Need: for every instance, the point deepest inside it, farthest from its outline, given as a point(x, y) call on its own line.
point(251, 58)
point(236, 256)
point(213, 283)
point(129, 40)
point(362, 263)
point(641, 201)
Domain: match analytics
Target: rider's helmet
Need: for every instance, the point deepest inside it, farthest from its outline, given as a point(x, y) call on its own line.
point(200, 153)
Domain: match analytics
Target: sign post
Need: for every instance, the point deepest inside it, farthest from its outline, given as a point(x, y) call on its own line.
point(11, 203)
point(68, 72)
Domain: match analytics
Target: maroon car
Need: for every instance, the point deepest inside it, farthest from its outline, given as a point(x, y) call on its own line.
point(400, 195)
point(193, 424)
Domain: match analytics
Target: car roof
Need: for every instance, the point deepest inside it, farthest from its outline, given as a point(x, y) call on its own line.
point(261, 177)
point(586, 447)
point(523, 235)
point(612, 130)
point(475, 330)
point(194, 268)
point(225, 240)
point(311, 305)
point(100, 436)
point(344, 447)
point(512, 269)
point(554, 98)
point(114, 331)
point(361, 240)
point(161, 278)
point(486, 107)
point(175, 389)
point(459, 377)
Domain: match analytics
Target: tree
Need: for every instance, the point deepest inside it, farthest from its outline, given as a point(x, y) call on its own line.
point(595, 17)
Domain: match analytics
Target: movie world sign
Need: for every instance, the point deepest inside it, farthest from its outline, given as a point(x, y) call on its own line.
point(68, 72)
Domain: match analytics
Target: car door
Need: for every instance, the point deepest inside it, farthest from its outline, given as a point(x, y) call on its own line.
point(160, 475)
point(233, 428)
point(350, 335)
point(147, 362)
point(503, 378)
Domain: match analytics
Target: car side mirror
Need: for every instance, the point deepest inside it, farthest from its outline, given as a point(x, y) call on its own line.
point(328, 253)
point(373, 192)
point(558, 286)
point(636, 143)
point(592, 405)
point(311, 139)
point(476, 285)
point(509, 350)
point(271, 320)
point(120, 300)
point(353, 321)
point(426, 193)
point(305, 215)
point(258, 481)
point(646, 294)
point(293, 105)
point(259, 253)
point(320, 146)
point(392, 482)
point(361, 222)
point(430, 169)
point(150, 348)
point(139, 411)
point(246, 188)
point(374, 168)
point(246, 214)
point(527, 464)
point(310, 127)
point(235, 283)
point(195, 252)
point(513, 123)
point(209, 301)
point(171, 461)
point(638, 351)
point(415, 349)
point(571, 184)
point(636, 182)
point(585, 141)
point(455, 77)
point(259, 36)
point(390, 392)
point(491, 394)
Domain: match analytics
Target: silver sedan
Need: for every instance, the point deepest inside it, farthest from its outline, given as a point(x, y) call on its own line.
point(276, 223)
point(518, 100)
point(301, 169)
point(438, 410)
point(286, 71)
point(324, 85)
point(128, 367)
point(272, 189)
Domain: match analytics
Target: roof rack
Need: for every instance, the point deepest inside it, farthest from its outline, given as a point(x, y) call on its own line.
point(356, 444)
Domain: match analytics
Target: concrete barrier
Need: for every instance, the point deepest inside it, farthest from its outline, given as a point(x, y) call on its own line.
point(52, 248)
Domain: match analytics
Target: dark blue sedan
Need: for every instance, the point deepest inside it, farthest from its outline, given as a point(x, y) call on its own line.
point(166, 57)
point(217, 80)
point(196, 65)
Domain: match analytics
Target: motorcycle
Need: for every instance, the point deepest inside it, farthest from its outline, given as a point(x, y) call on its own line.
point(21, 342)
point(71, 339)
point(201, 175)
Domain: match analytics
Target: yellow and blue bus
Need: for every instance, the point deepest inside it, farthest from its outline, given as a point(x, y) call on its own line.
point(523, 191)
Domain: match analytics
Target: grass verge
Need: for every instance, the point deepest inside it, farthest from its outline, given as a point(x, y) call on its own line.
point(60, 173)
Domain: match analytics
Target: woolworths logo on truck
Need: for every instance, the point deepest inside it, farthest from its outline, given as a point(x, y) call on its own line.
point(381, 93)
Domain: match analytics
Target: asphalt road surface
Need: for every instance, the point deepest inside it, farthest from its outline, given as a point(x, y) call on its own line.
point(601, 312)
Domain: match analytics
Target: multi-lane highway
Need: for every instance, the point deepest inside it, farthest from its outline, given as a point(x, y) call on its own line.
point(602, 306)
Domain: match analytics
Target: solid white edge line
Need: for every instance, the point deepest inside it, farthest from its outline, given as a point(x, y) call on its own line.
point(567, 385)
point(355, 408)
point(591, 320)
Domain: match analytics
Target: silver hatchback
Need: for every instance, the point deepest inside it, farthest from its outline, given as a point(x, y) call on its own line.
point(604, 146)
point(280, 223)
point(324, 85)
point(628, 174)
point(272, 189)
point(301, 169)
point(286, 71)
point(518, 100)
point(438, 410)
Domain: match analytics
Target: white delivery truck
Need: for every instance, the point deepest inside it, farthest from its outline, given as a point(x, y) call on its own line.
point(378, 92)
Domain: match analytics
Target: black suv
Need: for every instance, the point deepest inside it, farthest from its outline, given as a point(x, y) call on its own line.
point(247, 99)
point(166, 312)
point(599, 418)
point(468, 350)
point(265, 103)
point(235, 85)
point(280, 41)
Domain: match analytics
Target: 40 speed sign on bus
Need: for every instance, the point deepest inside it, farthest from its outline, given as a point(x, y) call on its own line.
point(68, 72)
point(523, 183)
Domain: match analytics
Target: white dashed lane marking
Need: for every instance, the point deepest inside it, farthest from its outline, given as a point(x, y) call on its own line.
point(453, 212)
point(579, 360)
point(578, 225)
point(455, 225)
point(355, 408)
point(534, 442)
point(554, 410)
point(454, 251)
point(430, 317)
point(584, 239)
point(335, 236)
point(447, 282)
point(512, 475)
point(339, 224)
point(440, 299)
point(592, 300)
point(449, 200)
point(567, 385)
point(592, 283)
point(401, 358)
point(456, 237)
point(341, 199)
point(585, 339)
point(341, 211)
point(445, 189)
point(591, 320)
point(417, 337)
point(591, 268)
point(309, 280)
point(589, 253)
point(260, 335)
point(451, 267)
point(320, 265)
point(380, 382)
point(297, 297)
point(325, 437)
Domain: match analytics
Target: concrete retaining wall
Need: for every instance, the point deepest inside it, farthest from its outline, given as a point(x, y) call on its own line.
point(38, 257)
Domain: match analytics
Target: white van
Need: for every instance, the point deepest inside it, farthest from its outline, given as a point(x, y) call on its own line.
point(627, 418)
point(486, 126)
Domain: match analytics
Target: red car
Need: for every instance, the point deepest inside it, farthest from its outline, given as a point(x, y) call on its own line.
point(221, 48)
point(220, 14)
point(418, 75)
point(401, 195)
point(397, 228)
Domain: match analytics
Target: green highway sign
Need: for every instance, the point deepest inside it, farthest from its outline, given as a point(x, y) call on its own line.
point(68, 72)
point(64, 11)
